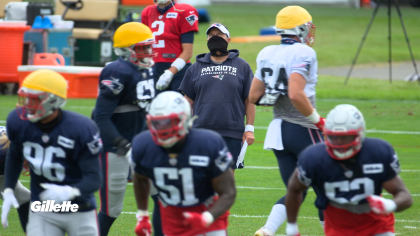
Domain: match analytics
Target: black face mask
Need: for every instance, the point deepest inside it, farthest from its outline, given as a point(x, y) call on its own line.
point(217, 46)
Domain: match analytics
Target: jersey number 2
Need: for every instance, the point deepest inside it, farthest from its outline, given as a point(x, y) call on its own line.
point(161, 26)
point(174, 196)
point(41, 160)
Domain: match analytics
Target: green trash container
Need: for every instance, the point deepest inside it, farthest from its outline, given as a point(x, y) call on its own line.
point(88, 52)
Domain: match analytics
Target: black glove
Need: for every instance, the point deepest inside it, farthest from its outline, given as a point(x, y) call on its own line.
point(122, 145)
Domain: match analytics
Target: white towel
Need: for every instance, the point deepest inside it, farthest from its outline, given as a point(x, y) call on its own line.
point(273, 138)
point(241, 156)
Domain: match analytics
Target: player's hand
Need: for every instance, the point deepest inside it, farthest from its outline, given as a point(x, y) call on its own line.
point(249, 137)
point(380, 205)
point(320, 125)
point(58, 193)
point(143, 226)
point(198, 221)
point(292, 229)
point(318, 121)
point(123, 146)
point(164, 80)
point(9, 200)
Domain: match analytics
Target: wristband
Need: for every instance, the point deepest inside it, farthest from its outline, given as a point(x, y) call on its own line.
point(142, 213)
point(314, 117)
point(179, 63)
point(249, 128)
point(208, 217)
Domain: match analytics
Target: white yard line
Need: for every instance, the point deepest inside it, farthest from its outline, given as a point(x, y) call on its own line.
point(370, 131)
point(276, 168)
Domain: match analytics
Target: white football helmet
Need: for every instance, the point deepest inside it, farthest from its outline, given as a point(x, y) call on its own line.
point(169, 118)
point(344, 131)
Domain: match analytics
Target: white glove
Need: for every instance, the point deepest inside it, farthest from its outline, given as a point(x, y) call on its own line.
point(380, 205)
point(9, 200)
point(292, 229)
point(164, 80)
point(58, 193)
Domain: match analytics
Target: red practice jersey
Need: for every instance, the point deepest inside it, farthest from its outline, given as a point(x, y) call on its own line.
point(167, 29)
point(172, 220)
point(340, 222)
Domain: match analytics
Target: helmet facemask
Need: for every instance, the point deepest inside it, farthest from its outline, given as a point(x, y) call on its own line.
point(161, 1)
point(168, 130)
point(35, 105)
point(344, 131)
point(305, 32)
point(140, 54)
point(343, 145)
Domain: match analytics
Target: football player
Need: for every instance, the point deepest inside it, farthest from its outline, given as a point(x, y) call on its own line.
point(189, 167)
point(286, 77)
point(62, 149)
point(22, 194)
point(126, 87)
point(173, 26)
point(349, 172)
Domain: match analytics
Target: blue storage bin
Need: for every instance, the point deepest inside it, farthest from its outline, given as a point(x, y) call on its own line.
point(268, 31)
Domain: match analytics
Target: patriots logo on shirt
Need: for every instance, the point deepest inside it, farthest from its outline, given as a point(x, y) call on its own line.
point(224, 160)
point(113, 84)
point(192, 19)
point(302, 177)
point(95, 145)
point(218, 76)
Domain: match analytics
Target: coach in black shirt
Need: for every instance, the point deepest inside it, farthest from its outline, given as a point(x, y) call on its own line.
point(217, 87)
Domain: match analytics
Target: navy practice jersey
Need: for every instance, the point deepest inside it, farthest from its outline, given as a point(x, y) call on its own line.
point(54, 157)
point(185, 180)
point(124, 91)
point(375, 164)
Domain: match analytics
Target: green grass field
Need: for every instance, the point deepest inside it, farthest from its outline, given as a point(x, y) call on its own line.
point(391, 111)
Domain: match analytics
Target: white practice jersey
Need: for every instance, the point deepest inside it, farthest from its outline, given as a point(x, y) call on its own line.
point(275, 64)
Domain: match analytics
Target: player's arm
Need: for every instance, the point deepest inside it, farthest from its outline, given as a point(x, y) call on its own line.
point(301, 102)
point(401, 201)
point(402, 196)
point(257, 90)
point(104, 109)
point(224, 185)
point(292, 202)
point(187, 40)
point(13, 167)
point(141, 186)
point(294, 197)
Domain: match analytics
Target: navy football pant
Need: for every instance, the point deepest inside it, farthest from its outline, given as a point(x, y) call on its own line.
point(295, 139)
point(160, 67)
point(234, 145)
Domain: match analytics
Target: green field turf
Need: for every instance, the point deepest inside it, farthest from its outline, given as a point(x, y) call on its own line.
point(386, 107)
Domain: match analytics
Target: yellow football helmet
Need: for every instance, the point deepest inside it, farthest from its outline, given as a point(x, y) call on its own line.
point(295, 20)
point(41, 92)
point(133, 41)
